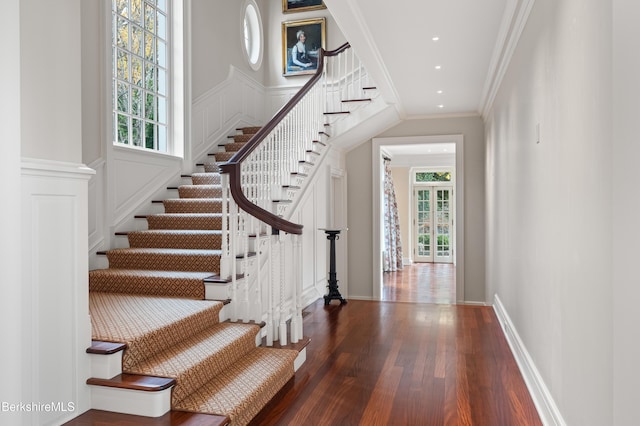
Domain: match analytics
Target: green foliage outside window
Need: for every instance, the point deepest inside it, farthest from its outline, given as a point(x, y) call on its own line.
point(433, 177)
point(139, 54)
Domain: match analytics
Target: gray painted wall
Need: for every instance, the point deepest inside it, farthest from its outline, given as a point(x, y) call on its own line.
point(625, 206)
point(549, 232)
point(360, 221)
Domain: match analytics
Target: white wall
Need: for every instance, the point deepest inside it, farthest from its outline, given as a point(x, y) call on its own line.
point(50, 83)
point(358, 163)
point(548, 204)
point(217, 37)
point(625, 206)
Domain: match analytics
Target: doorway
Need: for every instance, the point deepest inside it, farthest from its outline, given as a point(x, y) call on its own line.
point(417, 148)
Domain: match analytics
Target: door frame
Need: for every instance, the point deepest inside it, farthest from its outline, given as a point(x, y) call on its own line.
point(376, 161)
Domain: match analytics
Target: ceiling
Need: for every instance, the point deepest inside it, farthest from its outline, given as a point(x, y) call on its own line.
point(395, 39)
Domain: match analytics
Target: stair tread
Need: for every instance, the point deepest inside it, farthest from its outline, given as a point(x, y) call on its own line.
point(151, 273)
point(171, 251)
point(241, 391)
point(134, 382)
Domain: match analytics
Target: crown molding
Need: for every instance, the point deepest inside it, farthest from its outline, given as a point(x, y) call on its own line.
point(514, 20)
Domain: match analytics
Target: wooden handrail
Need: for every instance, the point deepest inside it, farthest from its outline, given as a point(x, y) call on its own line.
point(232, 167)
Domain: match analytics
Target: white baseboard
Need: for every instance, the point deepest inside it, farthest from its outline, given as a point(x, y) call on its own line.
point(546, 406)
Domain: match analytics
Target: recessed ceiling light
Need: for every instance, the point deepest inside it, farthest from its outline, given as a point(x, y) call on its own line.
point(439, 92)
point(440, 106)
point(438, 67)
point(435, 38)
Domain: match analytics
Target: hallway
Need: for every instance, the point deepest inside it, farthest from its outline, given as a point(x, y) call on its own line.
point(421, 283)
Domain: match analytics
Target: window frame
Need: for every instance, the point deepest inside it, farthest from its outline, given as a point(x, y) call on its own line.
point(177, 76)
point(256, 30)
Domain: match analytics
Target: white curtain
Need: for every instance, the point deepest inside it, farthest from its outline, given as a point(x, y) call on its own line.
point(392, 258)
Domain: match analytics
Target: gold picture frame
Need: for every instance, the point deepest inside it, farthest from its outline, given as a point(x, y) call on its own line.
point(301, 56)
point(290, 6)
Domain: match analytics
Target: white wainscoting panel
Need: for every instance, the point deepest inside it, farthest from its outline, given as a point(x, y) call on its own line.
point(96, 218)
point(57, 328)
point(277, 97)
point(216, 114)
point(137, 175)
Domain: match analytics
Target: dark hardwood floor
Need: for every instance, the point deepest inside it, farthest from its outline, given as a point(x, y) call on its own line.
point(421, 283)
point(380, 363)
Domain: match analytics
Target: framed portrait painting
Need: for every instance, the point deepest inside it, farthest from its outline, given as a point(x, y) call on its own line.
point(301, 44)
point(289, 6)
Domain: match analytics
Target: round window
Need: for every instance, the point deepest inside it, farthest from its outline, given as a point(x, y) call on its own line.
point(252, 32)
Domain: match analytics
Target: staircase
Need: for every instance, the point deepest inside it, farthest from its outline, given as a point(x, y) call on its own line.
point(196, 301)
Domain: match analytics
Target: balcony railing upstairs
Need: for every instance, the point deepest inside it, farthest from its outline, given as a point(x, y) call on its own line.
point(265, 180)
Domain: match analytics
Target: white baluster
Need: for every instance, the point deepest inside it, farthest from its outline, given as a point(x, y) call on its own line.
point(283, 313)
point(296, 290)
point(269, 286)
point(233, 236)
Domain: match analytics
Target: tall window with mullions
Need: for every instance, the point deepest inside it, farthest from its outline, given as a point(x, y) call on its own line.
point(140, 73)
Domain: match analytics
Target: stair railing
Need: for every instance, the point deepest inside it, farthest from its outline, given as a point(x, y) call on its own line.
point(262, 251)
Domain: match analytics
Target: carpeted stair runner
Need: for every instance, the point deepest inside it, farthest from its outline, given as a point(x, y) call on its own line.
point(217, 367)
point(147, 300)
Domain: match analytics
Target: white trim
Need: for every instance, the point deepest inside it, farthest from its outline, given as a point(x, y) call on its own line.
point(260, 42)
point(57, 169)
point(377, 143)
point(542, 398)
point(140, 403)
point(514, 20)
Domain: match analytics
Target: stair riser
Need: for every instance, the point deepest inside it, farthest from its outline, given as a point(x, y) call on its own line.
point(121, 282)
point(177, 241)
point(148, 404)
point(168, 222)
point(200, 191)
point(234, 146)
point(165, 262)
point(193, 205)
point(205, 179)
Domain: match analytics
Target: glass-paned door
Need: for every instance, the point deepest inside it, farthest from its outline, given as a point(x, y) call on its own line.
point(424, 225)
point(443, 225)
point(433, 224)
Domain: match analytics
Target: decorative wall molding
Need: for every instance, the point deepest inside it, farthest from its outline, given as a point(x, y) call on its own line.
point(216, 113)
point(513, 23)
point(277, 97)
point(542, 398)
point(55, 289)
point(96, 218)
